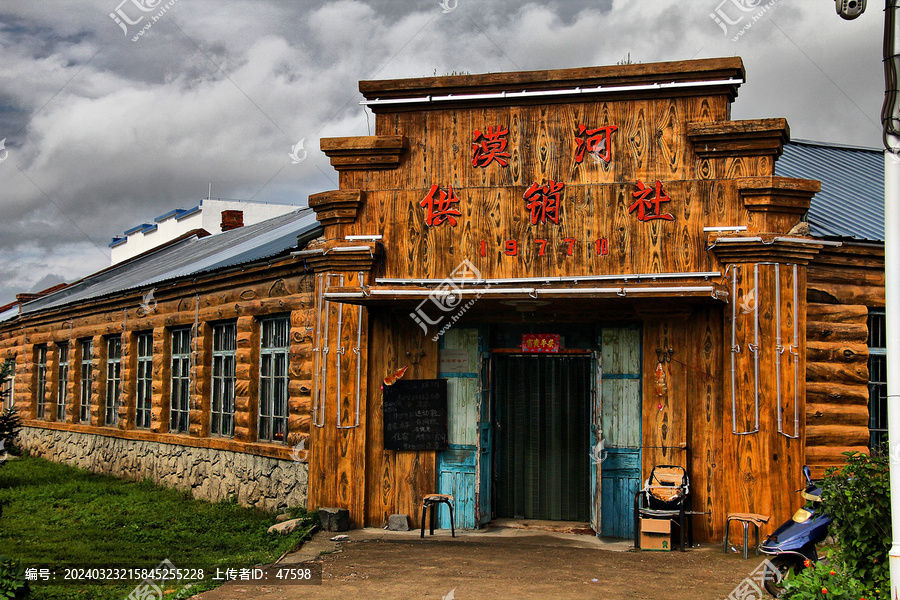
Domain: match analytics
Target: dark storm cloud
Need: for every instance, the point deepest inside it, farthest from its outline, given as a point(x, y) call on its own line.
point(104, 133)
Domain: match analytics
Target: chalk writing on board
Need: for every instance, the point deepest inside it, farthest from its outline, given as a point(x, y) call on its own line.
point(415, 415)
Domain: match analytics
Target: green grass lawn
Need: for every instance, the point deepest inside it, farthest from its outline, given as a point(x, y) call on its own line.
point(55, 515)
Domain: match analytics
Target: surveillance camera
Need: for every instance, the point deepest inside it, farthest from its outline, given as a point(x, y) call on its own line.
point(850, 9)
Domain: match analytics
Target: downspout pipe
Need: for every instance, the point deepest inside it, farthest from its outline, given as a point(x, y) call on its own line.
point(890, 116)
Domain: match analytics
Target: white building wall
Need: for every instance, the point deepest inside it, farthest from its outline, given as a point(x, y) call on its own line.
point(208, 217)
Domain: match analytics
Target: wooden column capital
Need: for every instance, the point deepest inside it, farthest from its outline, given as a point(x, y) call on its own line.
point(364, 153)
point(763, 247)
point(337, 206)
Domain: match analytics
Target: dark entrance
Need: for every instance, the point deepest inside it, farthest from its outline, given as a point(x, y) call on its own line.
point(542, 455)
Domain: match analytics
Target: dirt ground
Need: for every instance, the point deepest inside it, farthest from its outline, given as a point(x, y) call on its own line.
point(497, 564)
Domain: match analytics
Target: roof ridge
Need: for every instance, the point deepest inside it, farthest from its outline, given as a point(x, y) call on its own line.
point(803, 142)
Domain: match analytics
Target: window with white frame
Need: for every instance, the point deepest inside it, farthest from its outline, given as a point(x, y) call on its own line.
point(180, 395)
point(221, 419)
point(273, 379)
point(62, 382)
point(113, 379)
point(41, 352)
point(86, 388)
point(144, 383)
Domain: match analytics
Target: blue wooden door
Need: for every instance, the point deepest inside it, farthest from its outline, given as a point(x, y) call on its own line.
point(458, 465)
point(620, 430)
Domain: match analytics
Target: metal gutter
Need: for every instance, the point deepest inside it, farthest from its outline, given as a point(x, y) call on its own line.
point(550, 93)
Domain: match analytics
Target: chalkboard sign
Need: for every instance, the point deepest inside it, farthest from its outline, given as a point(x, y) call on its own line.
point(415, 415)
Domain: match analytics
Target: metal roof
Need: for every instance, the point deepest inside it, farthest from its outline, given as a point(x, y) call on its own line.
point(851, 203)
point(187, 257)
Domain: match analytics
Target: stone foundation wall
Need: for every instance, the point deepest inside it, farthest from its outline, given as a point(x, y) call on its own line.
point(266, 483)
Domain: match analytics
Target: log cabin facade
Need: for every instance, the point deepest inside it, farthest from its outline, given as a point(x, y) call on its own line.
point(603, 267)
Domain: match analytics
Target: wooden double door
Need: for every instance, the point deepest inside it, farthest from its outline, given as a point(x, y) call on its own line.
point(544, 436)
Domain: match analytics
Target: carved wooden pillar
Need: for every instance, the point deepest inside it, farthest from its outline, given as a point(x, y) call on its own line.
point(765, 369)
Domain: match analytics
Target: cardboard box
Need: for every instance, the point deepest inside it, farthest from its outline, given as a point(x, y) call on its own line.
point(656, 534)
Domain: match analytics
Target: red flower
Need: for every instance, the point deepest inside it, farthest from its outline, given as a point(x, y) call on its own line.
point(833, 573)
point(807, 563)
point(824, 590)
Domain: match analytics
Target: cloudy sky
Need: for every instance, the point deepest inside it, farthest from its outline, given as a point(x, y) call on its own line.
point(103, 132)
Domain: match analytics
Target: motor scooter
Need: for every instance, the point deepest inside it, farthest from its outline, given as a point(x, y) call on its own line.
point(795, 540)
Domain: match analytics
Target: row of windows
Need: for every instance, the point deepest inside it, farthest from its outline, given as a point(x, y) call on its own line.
point(273, 379)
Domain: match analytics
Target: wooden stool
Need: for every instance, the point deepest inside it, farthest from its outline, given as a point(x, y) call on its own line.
point(434, 501)
point(746, 519)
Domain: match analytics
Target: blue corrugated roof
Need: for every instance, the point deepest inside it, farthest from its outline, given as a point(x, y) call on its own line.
point(851, 203)
point(188, 257)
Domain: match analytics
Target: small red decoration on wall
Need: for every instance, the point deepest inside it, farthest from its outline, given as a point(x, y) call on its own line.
point(648, 207)
point(540, 342)
point(544, 201)
point(490, 145)
point(439, 208)
point(596, 141)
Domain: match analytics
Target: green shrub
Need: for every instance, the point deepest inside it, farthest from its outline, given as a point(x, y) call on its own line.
point(821, 581)
point(13, 584)
point(10, 424)
point(858, 497)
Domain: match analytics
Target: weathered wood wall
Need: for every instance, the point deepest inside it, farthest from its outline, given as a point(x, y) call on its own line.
point(683, 419)
point(396, 480)
point(844, 283)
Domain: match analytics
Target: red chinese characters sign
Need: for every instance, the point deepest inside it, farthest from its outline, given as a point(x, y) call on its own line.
point(488, 146)
point(543, 201)
point(648, 202)
point(540, 342)
point(439, 208)
point(595, 142)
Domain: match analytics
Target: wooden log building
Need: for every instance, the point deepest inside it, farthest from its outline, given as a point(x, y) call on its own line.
point(585, 273)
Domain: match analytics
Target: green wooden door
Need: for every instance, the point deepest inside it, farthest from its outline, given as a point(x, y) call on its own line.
point(457, 466)
point(620, 425)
